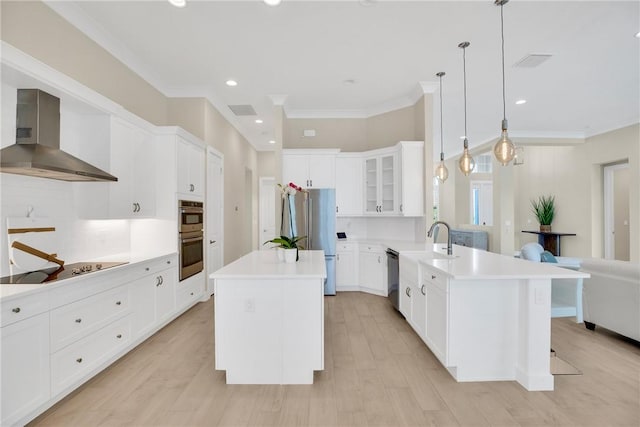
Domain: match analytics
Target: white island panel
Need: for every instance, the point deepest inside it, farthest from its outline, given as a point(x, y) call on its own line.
point(269, 319)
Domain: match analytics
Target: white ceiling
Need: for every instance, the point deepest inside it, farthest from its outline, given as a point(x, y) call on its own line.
point(307, 49)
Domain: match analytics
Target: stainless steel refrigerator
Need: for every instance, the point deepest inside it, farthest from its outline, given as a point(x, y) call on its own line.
point(312, 213)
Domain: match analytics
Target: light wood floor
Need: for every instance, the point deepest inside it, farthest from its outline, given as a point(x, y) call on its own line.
point(377, 373)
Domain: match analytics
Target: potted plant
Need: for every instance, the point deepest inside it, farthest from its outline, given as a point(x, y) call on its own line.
point(544, 210)
point(289, 245)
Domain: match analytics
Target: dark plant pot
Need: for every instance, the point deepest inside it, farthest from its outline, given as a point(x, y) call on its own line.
point(545, 228)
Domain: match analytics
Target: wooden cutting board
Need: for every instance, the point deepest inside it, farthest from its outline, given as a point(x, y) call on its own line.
point(39, 233)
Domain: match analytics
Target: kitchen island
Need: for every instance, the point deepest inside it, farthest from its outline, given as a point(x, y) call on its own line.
point(269, 318)
point(485, 316)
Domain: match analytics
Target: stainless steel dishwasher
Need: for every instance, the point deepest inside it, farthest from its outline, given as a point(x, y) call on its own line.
point(393, 278)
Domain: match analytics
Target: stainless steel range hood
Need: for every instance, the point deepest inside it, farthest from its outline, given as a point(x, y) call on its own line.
point(37, 148)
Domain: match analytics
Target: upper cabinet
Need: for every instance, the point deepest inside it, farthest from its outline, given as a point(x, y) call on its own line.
point(191, 166)
point(411, 181)
point(309, 168)
point(132, 161)
point(349, 184)
point(381, 183)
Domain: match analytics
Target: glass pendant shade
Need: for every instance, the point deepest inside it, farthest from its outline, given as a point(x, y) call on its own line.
point(466, 162)
point(504, 150)
point(441, 172)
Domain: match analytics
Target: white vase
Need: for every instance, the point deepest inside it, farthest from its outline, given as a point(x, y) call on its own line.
point(280, 254)
point(290, 255)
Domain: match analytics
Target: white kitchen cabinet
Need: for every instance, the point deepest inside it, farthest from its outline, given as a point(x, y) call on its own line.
point(381, 183)
point(373, 269)
point(408, 272)
point(153, 296)
point(418, 318)
point(346, 266)
point(191, 168)
point(411, 182)
point(437, 330)
point(309, 168)
point(189, 290)
point(25, 366)
point(349, 189)
point(132, 161)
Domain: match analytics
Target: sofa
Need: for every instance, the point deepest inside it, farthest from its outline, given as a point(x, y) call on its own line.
point(611, 296)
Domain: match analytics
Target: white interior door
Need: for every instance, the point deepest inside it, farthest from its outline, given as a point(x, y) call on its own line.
point(214, 215)
point(616, 212)
point(267, 219)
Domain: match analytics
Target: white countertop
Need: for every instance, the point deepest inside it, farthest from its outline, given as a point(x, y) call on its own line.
point(469, 263)
point(9, 291)
point(265, 264)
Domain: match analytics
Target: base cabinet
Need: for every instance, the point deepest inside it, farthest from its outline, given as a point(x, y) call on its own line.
point(346, 266)
point(25, 367)
point(373, 269)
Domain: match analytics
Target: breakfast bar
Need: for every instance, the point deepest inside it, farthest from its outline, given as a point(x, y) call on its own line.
point(269, 318)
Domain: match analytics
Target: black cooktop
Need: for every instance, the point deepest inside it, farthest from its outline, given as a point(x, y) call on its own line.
point(57, 273)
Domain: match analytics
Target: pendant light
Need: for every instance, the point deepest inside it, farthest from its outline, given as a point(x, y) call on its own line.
point(441, 171)
point(466, 162)
point(504, 150)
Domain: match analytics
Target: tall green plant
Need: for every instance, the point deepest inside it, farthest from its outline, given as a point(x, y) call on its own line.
point(544, 209)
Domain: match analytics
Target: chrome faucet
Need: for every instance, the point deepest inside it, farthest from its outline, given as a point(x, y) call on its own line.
point(433, 227)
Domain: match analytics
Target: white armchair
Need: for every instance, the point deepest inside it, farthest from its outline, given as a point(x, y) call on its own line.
point(566, 294)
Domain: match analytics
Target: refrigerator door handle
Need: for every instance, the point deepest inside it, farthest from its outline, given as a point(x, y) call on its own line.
point(309, 223)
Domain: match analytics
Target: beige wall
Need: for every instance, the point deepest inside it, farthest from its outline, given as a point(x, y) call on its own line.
point(58, 44)
point(347, 134)
point(37, 30)
point(359, 134)
point(238, 157)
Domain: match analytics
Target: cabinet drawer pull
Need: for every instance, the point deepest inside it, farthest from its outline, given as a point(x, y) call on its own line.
point(379, 259)
point(408, 291)
point(433, 276)
point(79, 360)
point(78, 320)
point(168, 262)
point(16, 310)
point(146, 269)
point(191, 293)
point(119, 336)
point(118, 302)
point(422, 290)
point(192, 187)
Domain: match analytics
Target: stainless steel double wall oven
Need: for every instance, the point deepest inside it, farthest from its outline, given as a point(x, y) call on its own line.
point(191, 237)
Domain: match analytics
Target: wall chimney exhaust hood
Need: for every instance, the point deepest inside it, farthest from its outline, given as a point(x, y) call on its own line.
point(37, 148)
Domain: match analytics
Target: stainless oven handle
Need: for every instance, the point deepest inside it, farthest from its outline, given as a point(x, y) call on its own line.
point(192, 239)
point(191, 210)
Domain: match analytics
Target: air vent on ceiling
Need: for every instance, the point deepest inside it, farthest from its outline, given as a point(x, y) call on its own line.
point(242, 110)
point(533, 60)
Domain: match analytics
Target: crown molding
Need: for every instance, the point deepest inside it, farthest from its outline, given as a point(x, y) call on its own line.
point(92, 29)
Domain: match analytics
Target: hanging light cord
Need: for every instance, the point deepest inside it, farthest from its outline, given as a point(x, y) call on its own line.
point(504, 102)
point(464, 73)
point(441, 144)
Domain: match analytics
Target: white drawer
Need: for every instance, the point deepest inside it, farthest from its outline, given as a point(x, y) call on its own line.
point(346, 247)
point(17, 309)
point(74, 321)
point(188, 292)
point(73, 363)
point(371, 248)
point(152, 267)
point(435, 278)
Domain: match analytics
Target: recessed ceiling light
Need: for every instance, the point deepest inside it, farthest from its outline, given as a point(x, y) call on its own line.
point(258, 121)
point(521, 101)
point(271, 141)
point(272, 2)
point(368, 2)
point(638, 35)
point(349, 81)
point(178, 3)
point(231, 83)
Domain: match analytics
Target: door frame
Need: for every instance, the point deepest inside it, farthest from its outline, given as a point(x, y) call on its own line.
point(208, 184)
point(263, 183)
point(609, 214)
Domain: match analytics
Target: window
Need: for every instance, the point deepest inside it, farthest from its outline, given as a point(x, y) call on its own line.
point(483, 163)
point(481, 202)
